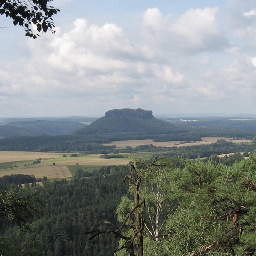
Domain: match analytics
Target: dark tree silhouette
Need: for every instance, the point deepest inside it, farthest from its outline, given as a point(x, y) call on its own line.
point(34, 16)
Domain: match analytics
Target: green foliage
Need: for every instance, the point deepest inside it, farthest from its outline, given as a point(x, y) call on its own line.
point(187, 207)
point(197, 208)
point(83, 170)
point(19, 205)
point(150, 185)
point(213, 196)
point(28, 13)
point(16, 179)
point(109, 156)
point(73, 208)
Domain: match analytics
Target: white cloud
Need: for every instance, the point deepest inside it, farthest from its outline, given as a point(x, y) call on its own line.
point(10, 90)
point(250, 13)
point(196, 30)
point(9, 85)
point(154, 20)
point(241, 14)
point(199, 28)
point(91, 57)
point(176, 62)
point(197, 23)
point(210, 91)
point(240, 76)
point(253, 60)
point(166, 74)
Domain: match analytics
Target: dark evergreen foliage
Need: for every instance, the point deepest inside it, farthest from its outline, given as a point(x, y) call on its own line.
point(17, 179)
point(73, 208)
point(53, 143)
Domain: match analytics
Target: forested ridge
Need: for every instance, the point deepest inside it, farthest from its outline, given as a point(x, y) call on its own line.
point(118, 124)
point(53, 127)
point(188, 207)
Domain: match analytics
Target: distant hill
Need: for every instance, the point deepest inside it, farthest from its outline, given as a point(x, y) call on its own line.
point(53, 127)
point(129, 121)
point(13, 131)
point(88, 134)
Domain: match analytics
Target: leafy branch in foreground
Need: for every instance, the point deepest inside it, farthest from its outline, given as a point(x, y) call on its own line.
point(34, 15)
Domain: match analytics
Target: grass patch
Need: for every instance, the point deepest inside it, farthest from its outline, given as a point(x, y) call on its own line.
point(7, 165)
point(84, 168)
point(144, 156)
point(14, 165)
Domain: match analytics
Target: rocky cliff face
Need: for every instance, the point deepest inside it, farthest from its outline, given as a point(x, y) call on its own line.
point(138, 113)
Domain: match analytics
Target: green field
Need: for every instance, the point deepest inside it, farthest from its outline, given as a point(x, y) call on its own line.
point(53, 165)
point(63, 165)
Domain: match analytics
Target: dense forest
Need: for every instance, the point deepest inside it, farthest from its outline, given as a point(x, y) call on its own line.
point(185, 207)
point(69, 209)
point(179, 201)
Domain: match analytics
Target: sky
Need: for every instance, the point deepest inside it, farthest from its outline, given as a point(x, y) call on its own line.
point(172, 57)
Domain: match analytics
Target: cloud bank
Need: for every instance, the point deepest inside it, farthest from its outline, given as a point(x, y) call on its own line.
point(187, 63)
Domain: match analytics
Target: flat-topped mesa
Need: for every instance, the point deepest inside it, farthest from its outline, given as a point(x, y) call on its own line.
point(139, 113)
point(128, 123)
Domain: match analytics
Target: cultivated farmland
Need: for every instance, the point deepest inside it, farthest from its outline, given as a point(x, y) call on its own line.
point(50, 165)
point(58, 165)
point(205, 141)
point(14, 156)
point(51, 172)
